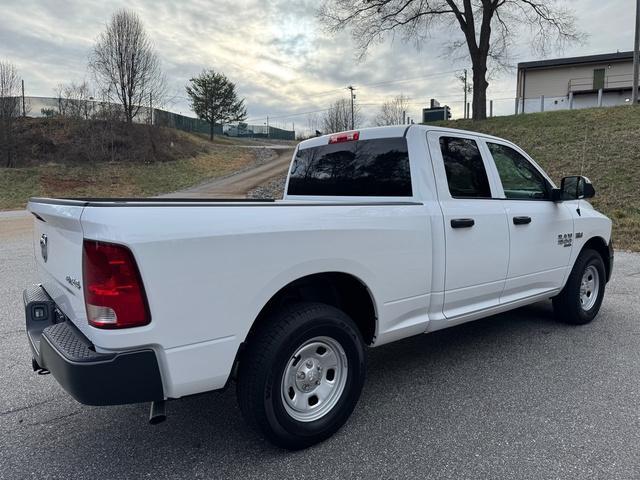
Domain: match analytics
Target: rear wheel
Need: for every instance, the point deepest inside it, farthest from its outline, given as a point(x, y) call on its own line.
point(301, 375)
point(580, 299)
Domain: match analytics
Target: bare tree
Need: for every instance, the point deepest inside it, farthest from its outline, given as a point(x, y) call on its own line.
point(126, 65)
point(392, 111)
point(314, 124)
point(9, 110)
point(74, 100)
point(110, 116)
point(488, 27)
point(338, 117)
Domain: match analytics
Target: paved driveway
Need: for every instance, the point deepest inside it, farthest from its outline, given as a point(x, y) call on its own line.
point(512, 396)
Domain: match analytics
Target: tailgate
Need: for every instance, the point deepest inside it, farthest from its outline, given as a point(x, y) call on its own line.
point(57, 242)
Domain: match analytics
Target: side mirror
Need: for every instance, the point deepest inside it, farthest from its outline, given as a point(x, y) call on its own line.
point(574, 188)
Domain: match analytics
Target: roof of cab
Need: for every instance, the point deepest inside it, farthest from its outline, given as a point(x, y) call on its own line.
point(391, 131)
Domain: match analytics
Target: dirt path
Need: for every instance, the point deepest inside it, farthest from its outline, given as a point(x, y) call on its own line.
point(15, 223)
point(19, 223)
point(239, 184)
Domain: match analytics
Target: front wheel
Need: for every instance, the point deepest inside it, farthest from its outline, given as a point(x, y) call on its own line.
point(580, 299)
point(301, 375)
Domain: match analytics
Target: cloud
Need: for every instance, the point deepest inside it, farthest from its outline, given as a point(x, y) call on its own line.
point(279, 57)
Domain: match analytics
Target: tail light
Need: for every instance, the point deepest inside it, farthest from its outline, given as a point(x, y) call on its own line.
point(113, 290)
point(344, 137)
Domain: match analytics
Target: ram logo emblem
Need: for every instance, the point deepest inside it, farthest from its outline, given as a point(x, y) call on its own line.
point(565, 239)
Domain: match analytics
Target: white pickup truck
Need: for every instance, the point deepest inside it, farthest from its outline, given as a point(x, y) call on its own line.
point(383, 233)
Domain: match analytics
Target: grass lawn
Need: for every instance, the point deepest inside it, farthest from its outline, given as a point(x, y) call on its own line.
point(63, 157)
point(600, 143)
point(117, 179)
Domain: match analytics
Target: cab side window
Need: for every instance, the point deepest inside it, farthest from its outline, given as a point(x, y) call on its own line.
point(466, 175)
point(520, 179)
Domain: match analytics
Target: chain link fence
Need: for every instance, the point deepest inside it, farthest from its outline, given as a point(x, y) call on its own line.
point(94, 109)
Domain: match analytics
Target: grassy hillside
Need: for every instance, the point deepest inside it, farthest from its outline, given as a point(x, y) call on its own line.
point(59, 157)
point(600, 143)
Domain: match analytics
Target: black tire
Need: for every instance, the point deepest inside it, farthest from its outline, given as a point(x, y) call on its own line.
point(269, 353)
point(567, 306)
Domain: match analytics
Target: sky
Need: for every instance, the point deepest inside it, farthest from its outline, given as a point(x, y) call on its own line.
point(280, 58)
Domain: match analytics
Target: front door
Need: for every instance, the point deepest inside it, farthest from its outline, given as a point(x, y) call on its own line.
point(540, 230)
point(475, 225)
point(598, 78)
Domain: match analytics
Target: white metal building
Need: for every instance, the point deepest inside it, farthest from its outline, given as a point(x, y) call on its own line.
point(576, 82)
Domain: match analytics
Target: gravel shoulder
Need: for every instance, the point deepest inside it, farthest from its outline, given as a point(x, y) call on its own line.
point(274, 188)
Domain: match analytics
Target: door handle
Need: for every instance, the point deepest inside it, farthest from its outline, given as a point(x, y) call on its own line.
point(462, 222)
point(521, 220)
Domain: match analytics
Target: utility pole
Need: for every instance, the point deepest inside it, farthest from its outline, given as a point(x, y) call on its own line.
point(465, 92)
point(24, 110)
point(150, 108)
point(636, 54)
point(267, 126)
point(351, 88)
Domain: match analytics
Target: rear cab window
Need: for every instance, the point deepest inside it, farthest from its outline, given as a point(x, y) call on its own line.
point(362, 168)
point(464, 167)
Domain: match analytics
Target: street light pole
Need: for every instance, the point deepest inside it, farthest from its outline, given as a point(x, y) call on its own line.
point(24, 110)
point(351, 89)
point(636, 54)
point(465, 92)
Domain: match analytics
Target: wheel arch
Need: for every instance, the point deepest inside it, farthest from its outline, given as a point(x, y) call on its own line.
point(600, 245)
point(341, 290)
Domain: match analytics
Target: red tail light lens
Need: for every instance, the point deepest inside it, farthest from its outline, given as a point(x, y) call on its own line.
point(344, 137)
point(113, 290)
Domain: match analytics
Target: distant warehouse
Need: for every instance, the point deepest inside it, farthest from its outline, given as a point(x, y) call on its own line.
point(577, 82)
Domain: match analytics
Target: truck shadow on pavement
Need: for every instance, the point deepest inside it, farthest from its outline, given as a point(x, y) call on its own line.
point(426, 395)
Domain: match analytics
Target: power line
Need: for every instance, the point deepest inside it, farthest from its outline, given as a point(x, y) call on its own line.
point(374, 84)
point(367, 104)
point(352, 88)
point(286, 116)
point(409, 79)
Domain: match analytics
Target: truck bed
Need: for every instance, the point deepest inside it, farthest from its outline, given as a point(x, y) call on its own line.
point(208, 272)
point(191, 202)
point(112, 201)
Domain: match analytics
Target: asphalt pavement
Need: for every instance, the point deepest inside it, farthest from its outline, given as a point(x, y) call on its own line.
point(516, 395)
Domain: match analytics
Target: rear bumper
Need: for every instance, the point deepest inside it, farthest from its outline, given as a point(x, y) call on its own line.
point(90, 377)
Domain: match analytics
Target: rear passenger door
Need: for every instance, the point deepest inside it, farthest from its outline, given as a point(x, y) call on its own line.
point(475, 225)
point(538, 260)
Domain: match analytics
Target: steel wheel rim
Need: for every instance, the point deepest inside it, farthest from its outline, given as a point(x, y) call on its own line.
point(314, 379)
point(589, 287)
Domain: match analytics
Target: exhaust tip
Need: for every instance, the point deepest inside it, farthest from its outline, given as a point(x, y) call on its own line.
point(37, 368)
point(157, 413)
